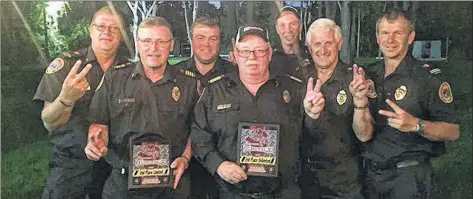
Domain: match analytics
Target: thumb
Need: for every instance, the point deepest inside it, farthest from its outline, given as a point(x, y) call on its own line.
point(174, 164)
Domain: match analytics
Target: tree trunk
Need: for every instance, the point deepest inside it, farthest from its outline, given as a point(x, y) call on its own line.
point(279, 5)
point(231, 28)
point(250, 12)
point(405, 5)
point(345, 22)
point(358, 34)
point(184, 5)
point(134, 9)
point(352, 35)
point(320, 5)
point(328, 9)
point(194, 10)
point(415, 5)
point(395, 4)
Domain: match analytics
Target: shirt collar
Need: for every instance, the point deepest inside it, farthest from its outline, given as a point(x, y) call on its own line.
point(168, 73)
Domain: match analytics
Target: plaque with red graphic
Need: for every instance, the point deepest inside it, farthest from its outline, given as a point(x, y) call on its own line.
point(149, 164)
point(258, 147)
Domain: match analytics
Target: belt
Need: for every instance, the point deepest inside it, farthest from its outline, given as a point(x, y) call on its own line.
point(257, 195)
point(377, 165)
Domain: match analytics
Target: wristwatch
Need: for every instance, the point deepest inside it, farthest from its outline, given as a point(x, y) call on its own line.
point(420, 126)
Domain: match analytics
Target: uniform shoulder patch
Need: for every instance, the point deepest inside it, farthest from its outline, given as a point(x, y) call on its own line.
point(55, 66)
point(215, 79)
point(445, 93)
point(435, 71)
point(294, 78)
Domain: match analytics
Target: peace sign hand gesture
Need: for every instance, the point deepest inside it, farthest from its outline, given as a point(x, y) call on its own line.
point(399, 119)
point(75, 85)
point(314, 101)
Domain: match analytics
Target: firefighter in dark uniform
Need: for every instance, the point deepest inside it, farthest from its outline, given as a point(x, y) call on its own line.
point(331, 160)
point(292, 54)
point(150, 102)
point(206, 64)
point(66, 90)
point(253, 95)
point(414, 114)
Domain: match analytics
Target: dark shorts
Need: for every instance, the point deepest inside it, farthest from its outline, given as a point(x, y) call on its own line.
point(75, 178)
point(393, 183)
point(67, 183)
point(116, 187)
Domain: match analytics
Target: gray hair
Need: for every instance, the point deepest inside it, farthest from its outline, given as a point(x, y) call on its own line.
point(156, 21)
point(324, 24)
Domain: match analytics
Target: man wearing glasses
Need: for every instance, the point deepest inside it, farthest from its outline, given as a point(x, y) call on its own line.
point(144, 108)
point(252, 114)
point(66, 90)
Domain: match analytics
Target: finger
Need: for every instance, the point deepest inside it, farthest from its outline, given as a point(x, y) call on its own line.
point(84, 72)
point(317, 86)
point(177, 178)
point(362, 73)
point(394, 121)
point(387, 113)
point(233, 42)
point(240, 173)
point(359, 85)
point(310, 86)
point(74, 69)
point(355, 71)
point(393, 105)
point(93, 153)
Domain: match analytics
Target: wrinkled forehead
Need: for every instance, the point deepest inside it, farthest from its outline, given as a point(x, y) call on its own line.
point(287, 17)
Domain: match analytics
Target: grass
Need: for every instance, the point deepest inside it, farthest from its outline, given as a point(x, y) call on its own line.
point(25, 163)
point(24, 171)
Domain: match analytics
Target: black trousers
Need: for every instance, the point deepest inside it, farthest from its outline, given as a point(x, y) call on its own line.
point(116, 187)
point(203, 185)
point(412, 182)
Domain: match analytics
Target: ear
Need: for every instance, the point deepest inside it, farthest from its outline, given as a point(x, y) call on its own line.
point(340, 44)
point(377, 38)
point(270, 51)
point(411, 37)
point(172, 45)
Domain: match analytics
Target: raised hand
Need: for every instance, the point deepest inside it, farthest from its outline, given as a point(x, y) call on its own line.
point(314, 101)
point(96, 143)
point(399, 119)
point(231, 172)
point(75, 85)
point(359, 87)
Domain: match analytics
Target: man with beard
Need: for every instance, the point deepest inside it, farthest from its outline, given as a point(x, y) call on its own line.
point(331, 159)
point(147, 103)
point(207, 65)
point(414, 114)
point(66, 90)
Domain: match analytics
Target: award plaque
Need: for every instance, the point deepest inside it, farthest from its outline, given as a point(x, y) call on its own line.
point(258, 149)
point(150, 164)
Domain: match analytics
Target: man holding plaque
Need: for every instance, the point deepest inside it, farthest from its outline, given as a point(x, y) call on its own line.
point(144, 108)
point(331, 159)
point(247, 124)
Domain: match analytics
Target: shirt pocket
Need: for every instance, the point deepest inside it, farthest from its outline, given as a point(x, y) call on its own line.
point(225, 117)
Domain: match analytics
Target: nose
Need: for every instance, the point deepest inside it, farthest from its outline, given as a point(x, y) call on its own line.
point(391, 37)
point(155, 45)
point(252, 55)
point(323, 49)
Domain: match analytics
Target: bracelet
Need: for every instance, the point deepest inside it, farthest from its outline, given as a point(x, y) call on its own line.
point(63, 103)
point(361, 107)
point(183, 156)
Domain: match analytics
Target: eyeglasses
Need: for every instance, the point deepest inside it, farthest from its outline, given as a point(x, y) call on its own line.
point(149, 42)
point(102, 28)
point(258, 52)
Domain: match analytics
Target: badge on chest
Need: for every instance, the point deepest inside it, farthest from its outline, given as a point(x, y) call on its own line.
point(258, 147)
point(149, 164)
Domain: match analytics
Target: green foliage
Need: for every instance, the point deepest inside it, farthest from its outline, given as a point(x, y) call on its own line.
point(24, 171)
